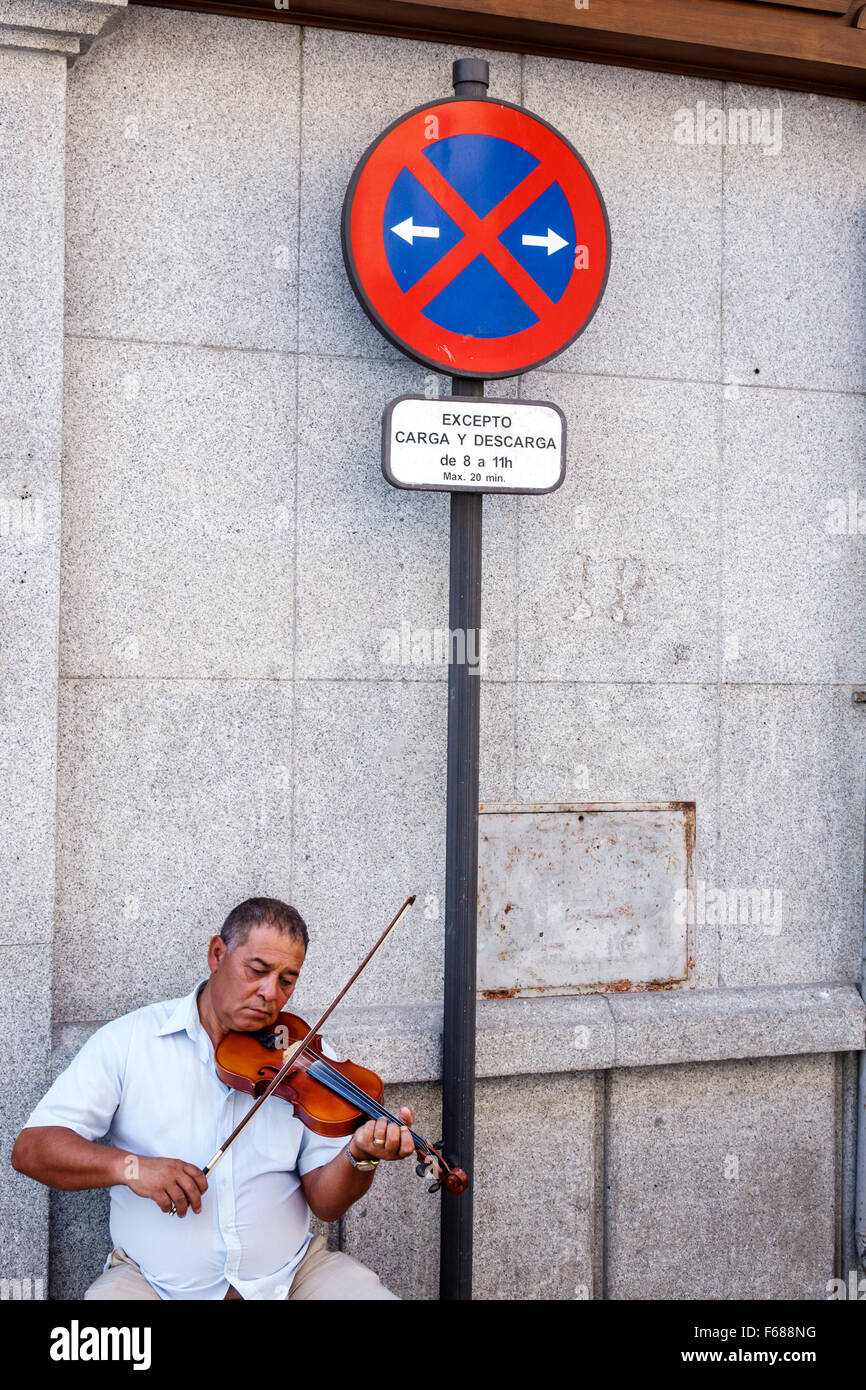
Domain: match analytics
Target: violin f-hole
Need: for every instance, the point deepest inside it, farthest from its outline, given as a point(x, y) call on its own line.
point(261, 1071)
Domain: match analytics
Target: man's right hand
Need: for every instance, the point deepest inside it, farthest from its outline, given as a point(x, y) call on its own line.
point(62, 1158)
point(166, 1181)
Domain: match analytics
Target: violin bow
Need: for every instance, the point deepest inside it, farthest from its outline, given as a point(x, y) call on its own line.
point(296, 1051)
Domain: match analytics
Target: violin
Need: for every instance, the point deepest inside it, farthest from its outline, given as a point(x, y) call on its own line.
point(331, 1098)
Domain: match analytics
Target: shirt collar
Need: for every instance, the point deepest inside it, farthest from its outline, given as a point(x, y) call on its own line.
point(184, 1018)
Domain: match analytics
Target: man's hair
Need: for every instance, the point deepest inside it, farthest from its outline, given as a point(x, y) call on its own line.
point(256, 912)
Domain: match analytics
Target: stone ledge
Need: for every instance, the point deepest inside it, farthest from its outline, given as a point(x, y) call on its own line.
point(712, 1025)
point(55, 26)
point(588, 1032)
point(40, 40)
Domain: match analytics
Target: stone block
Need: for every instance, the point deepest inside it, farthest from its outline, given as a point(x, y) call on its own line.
point(794, 301)
point(80, 1240)
point(659, 316)
point(496, 742)
point(787, 904)
point(537, 1224)
point(619, 567)
point(174, 805)
point(402, 1043)
point(518, 1037)
point(182, 179)
point(370, 831)
point(29, 597)
point(793, 557)
point(387, 616)
point(25, 1050)
point(722, 1180)
point(707, 1025)
point(43, 19)
point(32, 123)
point(178, 540)
point(370, 782)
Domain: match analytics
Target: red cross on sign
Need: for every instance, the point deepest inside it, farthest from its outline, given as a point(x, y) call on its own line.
point(475, 238)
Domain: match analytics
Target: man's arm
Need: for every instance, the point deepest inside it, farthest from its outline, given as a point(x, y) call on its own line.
point(332, 1189)
point(58, 1144)
point(58, 1157)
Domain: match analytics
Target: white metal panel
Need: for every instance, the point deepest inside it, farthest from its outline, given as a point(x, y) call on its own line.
point(577, 899)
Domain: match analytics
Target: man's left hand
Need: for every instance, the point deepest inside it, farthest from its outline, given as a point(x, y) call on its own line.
point(383, 1139)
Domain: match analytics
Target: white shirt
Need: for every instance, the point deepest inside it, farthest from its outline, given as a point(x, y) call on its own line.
point(148, 1081)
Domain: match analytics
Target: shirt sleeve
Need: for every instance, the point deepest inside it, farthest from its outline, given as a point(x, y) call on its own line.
point(85, 1096)
point(316, 1151)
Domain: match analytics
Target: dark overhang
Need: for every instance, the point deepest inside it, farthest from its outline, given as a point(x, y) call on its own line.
point(810, 45)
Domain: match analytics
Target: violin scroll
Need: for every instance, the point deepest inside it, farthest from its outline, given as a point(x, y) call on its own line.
point(456, 1181)
point(432, 1165)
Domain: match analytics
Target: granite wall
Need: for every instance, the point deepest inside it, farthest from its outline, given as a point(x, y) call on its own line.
point(682, 620)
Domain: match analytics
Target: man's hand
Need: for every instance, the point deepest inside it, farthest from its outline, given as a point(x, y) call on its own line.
point(166, 1181)
point(383, 1139)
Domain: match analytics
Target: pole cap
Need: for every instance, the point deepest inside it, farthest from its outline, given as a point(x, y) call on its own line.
point(471, 70)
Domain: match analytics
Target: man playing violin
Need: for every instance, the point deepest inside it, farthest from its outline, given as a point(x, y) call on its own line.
point(149, 1083)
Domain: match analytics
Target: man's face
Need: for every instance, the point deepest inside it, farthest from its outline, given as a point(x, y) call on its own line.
point(250, 984)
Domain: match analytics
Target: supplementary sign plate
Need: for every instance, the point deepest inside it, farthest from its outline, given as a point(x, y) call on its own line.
point(462, 444)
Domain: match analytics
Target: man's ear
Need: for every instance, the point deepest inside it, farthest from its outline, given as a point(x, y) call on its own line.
point(216, 953)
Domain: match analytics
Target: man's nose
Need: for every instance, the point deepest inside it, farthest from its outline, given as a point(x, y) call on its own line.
point(268, 987)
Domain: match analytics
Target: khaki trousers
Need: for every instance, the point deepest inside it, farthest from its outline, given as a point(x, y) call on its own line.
point(322, 1273)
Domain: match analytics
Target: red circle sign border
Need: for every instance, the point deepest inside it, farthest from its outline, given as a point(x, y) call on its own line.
point(377, 290)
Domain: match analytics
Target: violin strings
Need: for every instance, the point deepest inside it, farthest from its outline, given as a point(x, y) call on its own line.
point(349, 1091)
point(352, 1093)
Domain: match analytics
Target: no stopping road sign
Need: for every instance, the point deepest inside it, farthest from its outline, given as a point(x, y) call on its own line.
point(476, 238)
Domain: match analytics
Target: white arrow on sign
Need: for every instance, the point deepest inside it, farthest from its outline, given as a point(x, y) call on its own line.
point(552, 241)
point(408, 231)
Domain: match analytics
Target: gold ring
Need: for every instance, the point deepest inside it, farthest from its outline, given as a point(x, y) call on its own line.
point(378, 1141)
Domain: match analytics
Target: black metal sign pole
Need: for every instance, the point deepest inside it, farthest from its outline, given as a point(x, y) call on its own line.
point(471, 78)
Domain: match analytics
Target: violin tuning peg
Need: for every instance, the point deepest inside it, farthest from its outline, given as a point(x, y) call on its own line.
point(421, 1169)
point(434, 1187)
